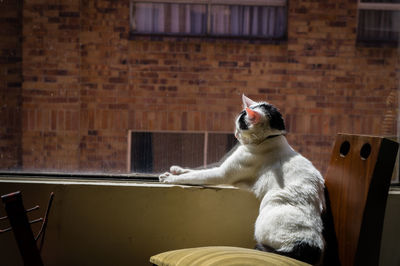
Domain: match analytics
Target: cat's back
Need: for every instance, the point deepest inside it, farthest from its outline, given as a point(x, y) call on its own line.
point(287, 172)
point(301, 175)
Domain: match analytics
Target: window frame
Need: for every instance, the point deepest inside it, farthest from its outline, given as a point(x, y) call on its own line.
point(375, 6)
point(208, 34)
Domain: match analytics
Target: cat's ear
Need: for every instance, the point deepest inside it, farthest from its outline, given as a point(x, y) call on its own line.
point(253, 116)
point(247, 102)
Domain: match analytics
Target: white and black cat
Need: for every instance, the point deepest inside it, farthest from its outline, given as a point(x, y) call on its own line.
point(290, 188)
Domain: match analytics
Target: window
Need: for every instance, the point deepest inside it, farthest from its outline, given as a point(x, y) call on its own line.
point(73, 82)
point(378, 21)
point(265, 19)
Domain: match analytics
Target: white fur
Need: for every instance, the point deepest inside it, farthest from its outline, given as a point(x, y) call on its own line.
point(289, 186)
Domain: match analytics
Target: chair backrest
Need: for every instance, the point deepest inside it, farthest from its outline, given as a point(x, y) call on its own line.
point(21, 226)
point(357, 184)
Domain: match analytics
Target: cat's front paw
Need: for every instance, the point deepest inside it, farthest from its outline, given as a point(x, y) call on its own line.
point(177, 170)
point(166, 178)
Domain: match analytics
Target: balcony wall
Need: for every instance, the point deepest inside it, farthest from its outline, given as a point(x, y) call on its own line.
point(124, 223)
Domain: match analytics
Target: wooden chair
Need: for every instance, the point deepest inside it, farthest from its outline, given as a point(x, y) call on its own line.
point(357, 183)
point(21, 226)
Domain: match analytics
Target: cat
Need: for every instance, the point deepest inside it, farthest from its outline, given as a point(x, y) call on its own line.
point(289, 187)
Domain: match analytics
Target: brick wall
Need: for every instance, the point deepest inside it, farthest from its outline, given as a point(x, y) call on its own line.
point(86, 83)
point(51, 88)
point(10, 83)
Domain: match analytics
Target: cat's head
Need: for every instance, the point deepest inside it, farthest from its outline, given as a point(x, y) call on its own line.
point(258, 121)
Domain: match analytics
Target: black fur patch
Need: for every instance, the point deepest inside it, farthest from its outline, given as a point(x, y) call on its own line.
point(242, 121)
point(276, 119)
point(302, 251)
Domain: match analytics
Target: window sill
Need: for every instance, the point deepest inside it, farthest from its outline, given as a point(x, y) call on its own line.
point(104, 179)
point(206, 38)
point(123, 180)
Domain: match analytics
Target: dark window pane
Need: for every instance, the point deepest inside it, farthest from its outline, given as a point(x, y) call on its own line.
point(378, 25)
point(259, 21)
point(224, 20)
point(183, 149)
point(157, 151)
point(169, 18)
point(219, 144)
point(141, 152)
